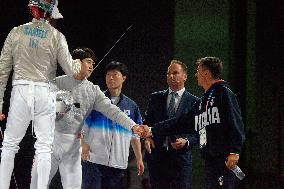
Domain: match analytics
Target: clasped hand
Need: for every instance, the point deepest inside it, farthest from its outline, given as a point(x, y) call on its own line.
point(142, 130)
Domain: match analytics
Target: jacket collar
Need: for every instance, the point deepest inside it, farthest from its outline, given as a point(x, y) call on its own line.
point(121, 96)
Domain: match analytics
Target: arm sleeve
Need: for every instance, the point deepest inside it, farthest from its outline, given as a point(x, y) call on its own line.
point(193, 139)
point(148, 120)
point(6, 64)
point(137, 119)
point(232, 115)
point(70, 67)
point(103, 104)
point(183, 125)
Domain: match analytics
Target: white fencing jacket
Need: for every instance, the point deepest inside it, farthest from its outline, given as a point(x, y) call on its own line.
point(90, 97)
point(33, 50)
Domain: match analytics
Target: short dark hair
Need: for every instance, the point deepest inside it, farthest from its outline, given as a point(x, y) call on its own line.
point(82, 53)
point(183, 66)
point(213, 64)
point(114, 65)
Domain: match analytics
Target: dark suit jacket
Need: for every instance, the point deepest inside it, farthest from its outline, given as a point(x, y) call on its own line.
point(157, 112)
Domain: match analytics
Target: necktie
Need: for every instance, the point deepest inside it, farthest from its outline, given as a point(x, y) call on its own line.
point(171, 108)
point(171, 114)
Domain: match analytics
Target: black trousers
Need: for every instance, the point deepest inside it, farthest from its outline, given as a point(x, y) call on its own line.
point(169, 170)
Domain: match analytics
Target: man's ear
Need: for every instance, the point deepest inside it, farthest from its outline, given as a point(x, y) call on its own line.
point(185, 77)
point(206, 72)
point(124, 78)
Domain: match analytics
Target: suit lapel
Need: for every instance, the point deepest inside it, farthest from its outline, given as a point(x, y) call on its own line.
point(164, 102)
point(182, 104)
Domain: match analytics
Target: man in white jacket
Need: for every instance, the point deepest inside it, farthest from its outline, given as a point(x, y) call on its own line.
point(32, 50)
point(67, 147)
point(106, 142)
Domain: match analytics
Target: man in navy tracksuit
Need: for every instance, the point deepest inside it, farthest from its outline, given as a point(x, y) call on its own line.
point(217, 119)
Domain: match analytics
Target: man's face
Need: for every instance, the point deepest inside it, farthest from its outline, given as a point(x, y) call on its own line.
point(114, 79)
point(176, 77)
point(90, 63)
point(200, 75)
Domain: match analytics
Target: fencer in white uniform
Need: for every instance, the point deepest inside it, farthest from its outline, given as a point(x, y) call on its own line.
point(67, 147)
point(32, 50)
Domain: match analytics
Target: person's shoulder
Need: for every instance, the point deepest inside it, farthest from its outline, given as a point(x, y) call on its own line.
point(225, 88)
point(224, 91)
point(228, 90)
point(24, 25)
point(130, 102)
point(128, 99)
point(190, 95)
point(190, 98)
point(158, 93)
point(54, 30)
point(90, 84)
point(156, 96)
point(88, 88)
point(63, 77)
point(79, 84)
point(95, 88)
point(27, 24)
point(21, 27)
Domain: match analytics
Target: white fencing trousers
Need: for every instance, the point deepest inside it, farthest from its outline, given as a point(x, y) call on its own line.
point(29, 101)
point(67, 157)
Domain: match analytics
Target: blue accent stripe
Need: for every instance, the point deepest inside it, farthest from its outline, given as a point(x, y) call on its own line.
point(97, 120)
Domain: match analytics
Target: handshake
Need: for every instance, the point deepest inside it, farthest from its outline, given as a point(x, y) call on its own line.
point(142, 130)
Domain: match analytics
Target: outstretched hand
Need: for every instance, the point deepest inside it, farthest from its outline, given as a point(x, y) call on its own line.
point(143, 131)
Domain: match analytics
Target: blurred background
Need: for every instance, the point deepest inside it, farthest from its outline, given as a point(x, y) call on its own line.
point(246, 35)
